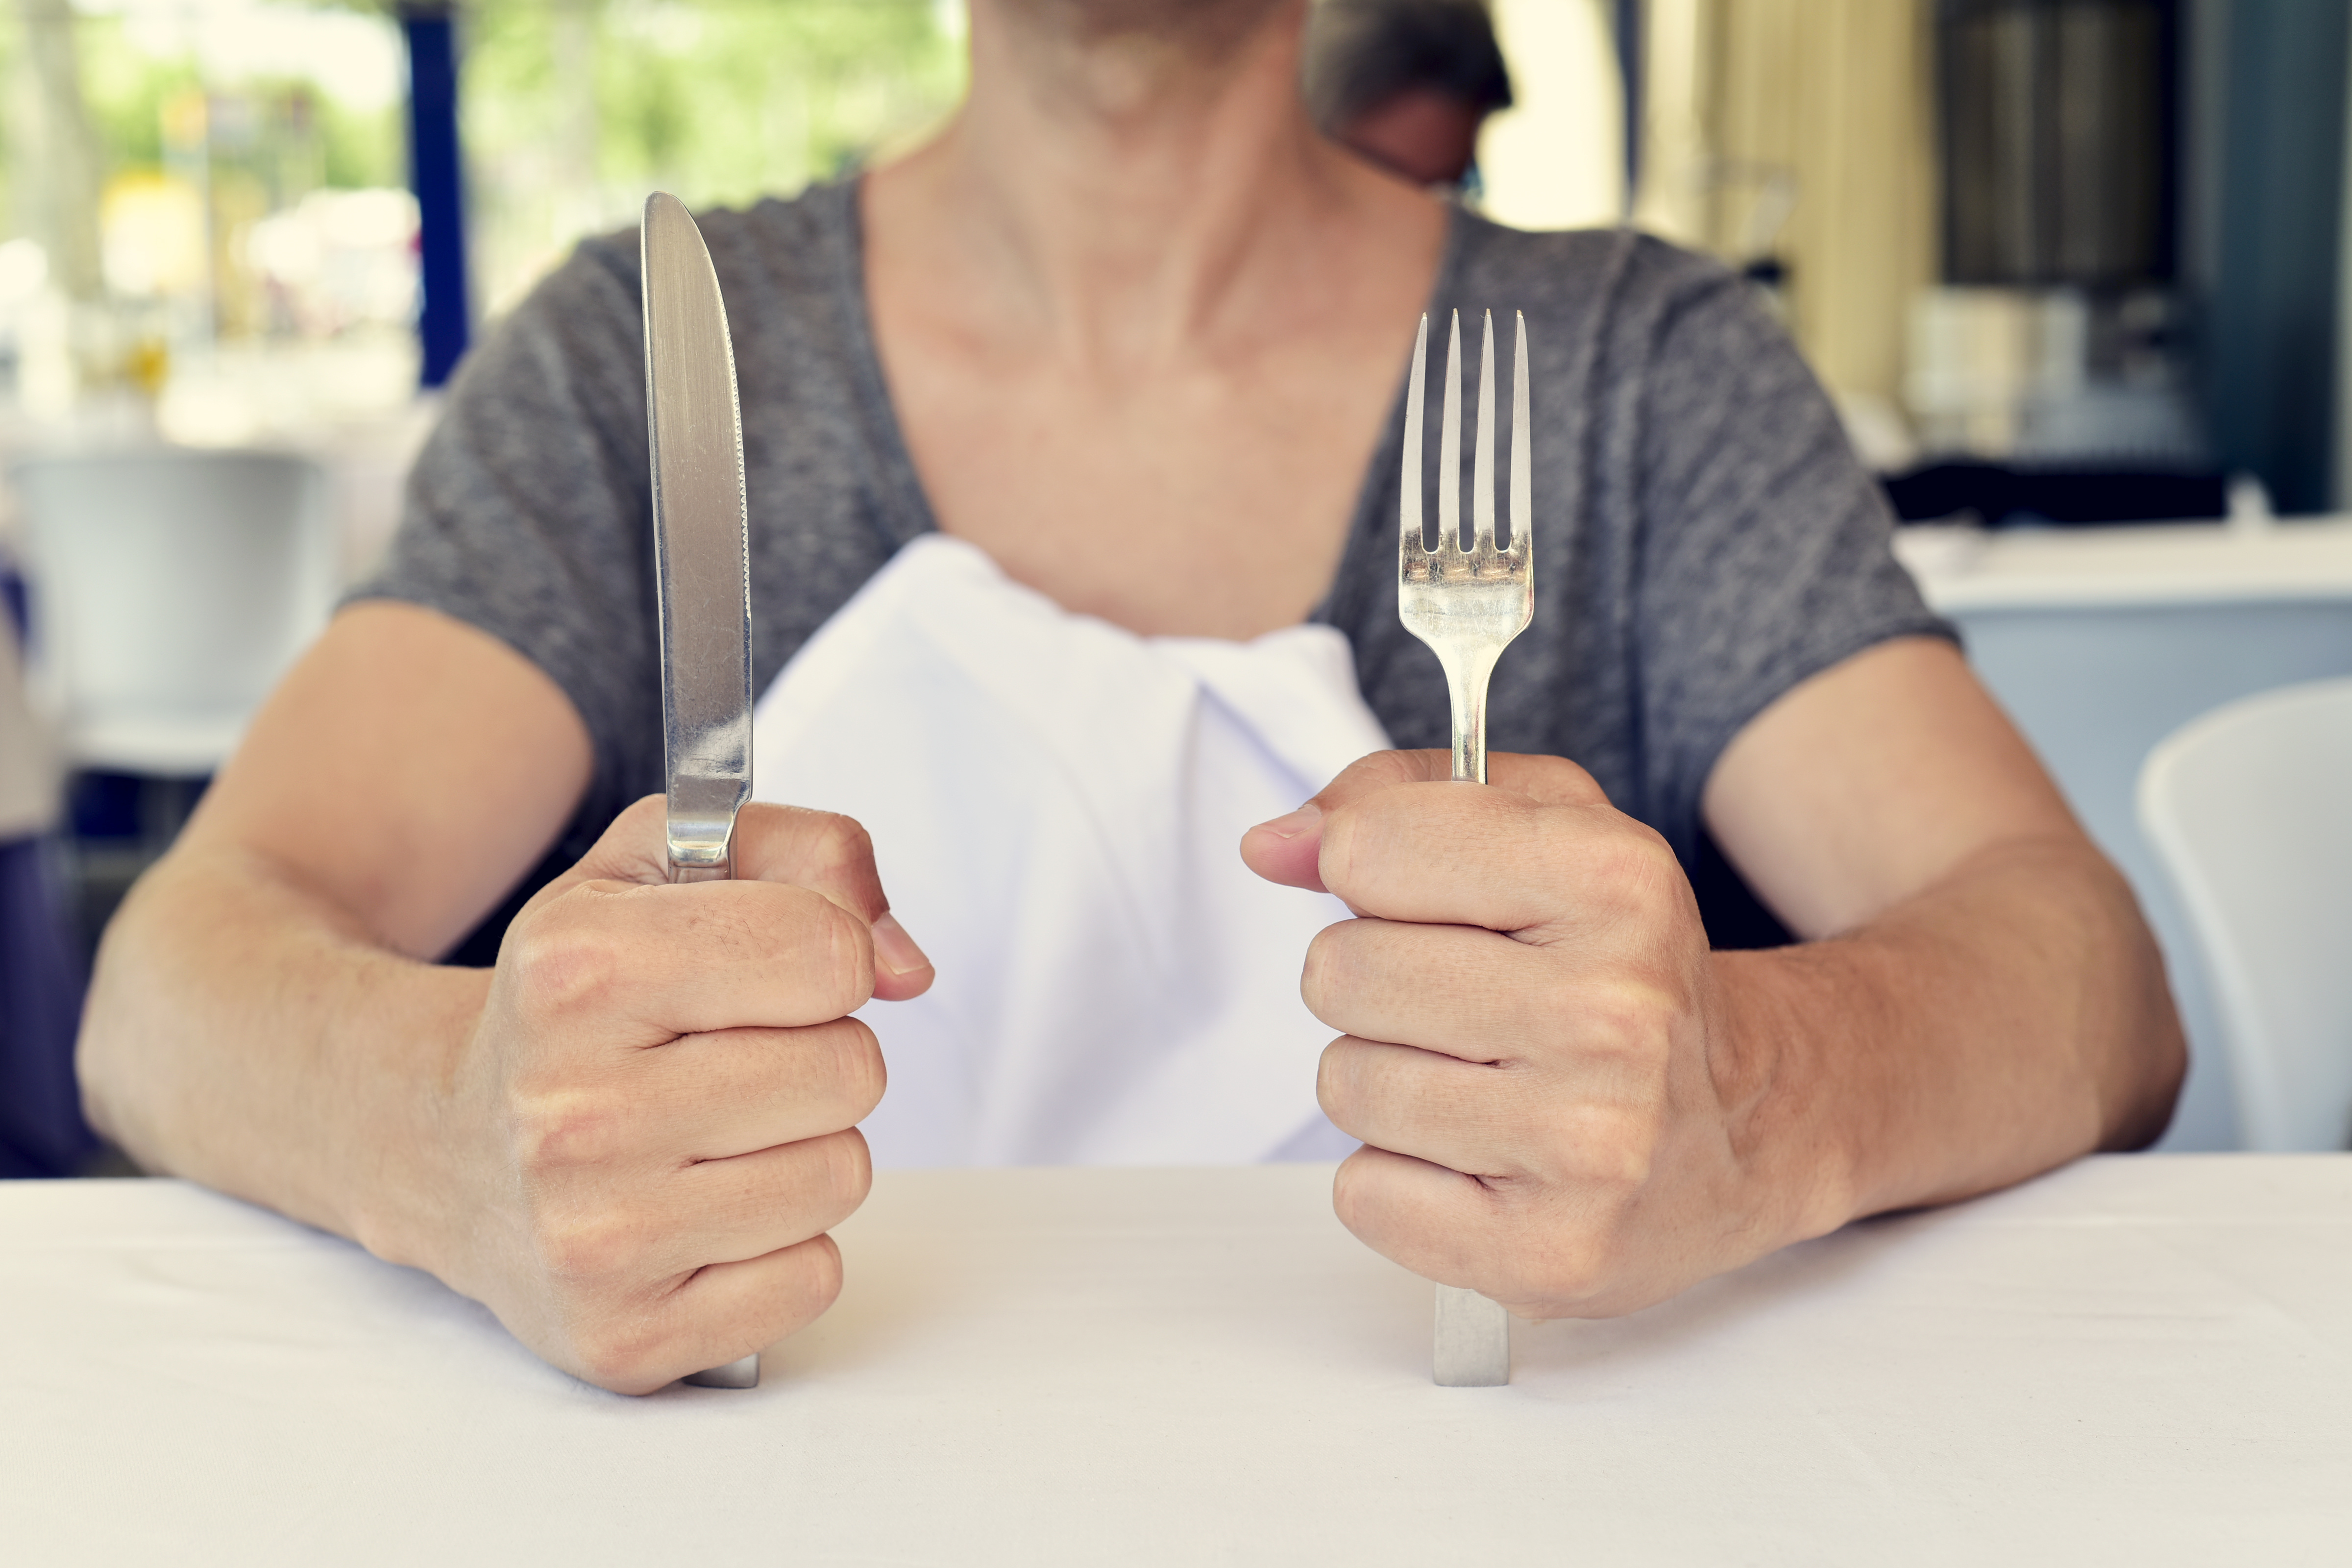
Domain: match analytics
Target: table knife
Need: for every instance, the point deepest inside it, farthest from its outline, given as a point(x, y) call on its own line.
point(701, 566)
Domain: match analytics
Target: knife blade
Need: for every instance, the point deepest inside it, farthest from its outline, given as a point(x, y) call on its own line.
point(701, 565)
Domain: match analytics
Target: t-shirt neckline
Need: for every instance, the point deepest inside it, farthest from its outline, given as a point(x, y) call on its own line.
point(906, 512)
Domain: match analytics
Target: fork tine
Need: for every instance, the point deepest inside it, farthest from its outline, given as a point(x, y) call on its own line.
point(1449, 446)
point(1409, 485)
point(1482, 469)
point(1522, 458)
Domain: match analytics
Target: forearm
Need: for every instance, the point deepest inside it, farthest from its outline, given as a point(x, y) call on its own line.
point(2005, 1020)
point(246, 1033)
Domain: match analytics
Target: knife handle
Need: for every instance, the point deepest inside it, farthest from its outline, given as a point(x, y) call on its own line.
point(743, 1373)
point(1474, 1341)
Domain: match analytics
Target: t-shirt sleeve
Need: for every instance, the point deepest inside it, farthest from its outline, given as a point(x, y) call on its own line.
point(527, 515)
point(1767, 550)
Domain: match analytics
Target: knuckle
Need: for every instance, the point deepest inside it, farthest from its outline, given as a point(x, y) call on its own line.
point(1337, 857)
point(822, 1276)
point(1332, 1079)
point(621, 1351)
point(1351, 1194)
point(632, 848)
point(644, 815)
point(838, 846)
point(558, 1129)
point(847, 1175)
point(1635, 865)
point(861, 1072)
point(563, 968)
point(1352, 977)
point(1557, 1273)
point(845, 978)
point(1340, 1082)
point(1616, 1149)
point(1604, 1151)
point(1630, 1018)
point(1322, 979)
point(585, 1251)
point(1561, 1251)
point(1557, 778)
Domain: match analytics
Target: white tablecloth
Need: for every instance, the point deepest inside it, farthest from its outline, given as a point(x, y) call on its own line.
point(2133, 1360)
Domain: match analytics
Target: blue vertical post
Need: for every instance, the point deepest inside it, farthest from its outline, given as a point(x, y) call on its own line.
point(445, 323)
point(1628, 29)
point(2271, 332)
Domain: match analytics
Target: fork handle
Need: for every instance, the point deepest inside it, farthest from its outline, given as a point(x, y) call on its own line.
point(1465, 684)
point(1474, 1334)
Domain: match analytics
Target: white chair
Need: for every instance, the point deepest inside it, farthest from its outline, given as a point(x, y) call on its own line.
point(2249, 808)
point(171, 589)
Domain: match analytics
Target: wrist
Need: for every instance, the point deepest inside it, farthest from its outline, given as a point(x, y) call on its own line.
point(1798, 1154)
point(406, 1028)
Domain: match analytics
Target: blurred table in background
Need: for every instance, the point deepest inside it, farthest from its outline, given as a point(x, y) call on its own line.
point(2101, 641)
point(171, 587)
point(366, 450)
point(2142, 1360)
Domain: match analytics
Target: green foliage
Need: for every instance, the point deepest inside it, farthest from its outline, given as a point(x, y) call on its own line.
point(574, 109)
point(722, 101)
point(125, 90)
point(719, 99)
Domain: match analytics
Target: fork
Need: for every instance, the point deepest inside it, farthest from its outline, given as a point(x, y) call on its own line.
point(1467, 604)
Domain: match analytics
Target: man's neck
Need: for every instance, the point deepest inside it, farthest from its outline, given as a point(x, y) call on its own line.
point(1129, 192)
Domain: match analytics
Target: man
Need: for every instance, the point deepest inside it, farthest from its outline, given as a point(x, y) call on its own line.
point(1406, 83)
point(1128, 335)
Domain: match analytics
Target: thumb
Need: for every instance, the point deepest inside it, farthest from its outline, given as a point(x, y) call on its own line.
point(820, 851)
point(1287, 849)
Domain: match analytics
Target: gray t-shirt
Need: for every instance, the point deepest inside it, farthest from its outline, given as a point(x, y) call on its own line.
point(1705, 538)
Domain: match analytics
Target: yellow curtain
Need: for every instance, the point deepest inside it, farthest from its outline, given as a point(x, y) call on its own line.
point(1800, 130)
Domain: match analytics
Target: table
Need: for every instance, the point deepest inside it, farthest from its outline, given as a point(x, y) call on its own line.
point(2136, 1359)
point(1961, 569)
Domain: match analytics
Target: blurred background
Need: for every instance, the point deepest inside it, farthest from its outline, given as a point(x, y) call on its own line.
point(2074, 271)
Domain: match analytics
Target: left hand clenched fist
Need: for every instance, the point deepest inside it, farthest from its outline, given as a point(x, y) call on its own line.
point(1536, 1054)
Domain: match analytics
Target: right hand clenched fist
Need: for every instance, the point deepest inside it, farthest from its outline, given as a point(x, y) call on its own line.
point(654, 1122)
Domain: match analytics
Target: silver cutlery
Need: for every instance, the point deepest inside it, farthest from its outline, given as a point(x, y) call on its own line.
point(1467, 604)
point(701, 566)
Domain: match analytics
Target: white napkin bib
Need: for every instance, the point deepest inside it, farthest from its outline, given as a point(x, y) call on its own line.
point(1057, 805)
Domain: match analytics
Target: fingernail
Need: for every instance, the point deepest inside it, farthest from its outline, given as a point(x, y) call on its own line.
point(1301, 821)
point(894, 948)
